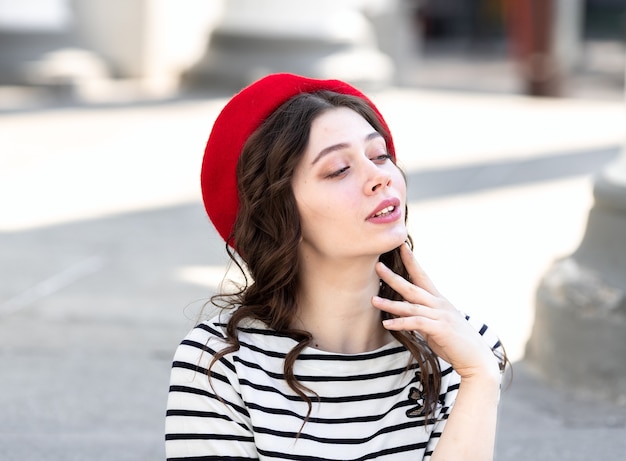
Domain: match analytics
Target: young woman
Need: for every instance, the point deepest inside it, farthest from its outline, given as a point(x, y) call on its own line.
point(338, 346)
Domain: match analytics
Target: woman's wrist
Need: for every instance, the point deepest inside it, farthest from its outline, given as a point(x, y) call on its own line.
point(485, 375)
point(485, 384)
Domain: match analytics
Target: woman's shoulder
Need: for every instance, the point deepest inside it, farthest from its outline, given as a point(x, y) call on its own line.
point(210, 336)
point(213, 330)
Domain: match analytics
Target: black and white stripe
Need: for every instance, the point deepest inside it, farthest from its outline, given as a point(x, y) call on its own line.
point(247, 410)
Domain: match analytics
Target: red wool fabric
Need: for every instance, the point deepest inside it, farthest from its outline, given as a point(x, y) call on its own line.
point(241, 116)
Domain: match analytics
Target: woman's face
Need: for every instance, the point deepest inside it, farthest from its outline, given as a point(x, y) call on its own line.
point(350, 195)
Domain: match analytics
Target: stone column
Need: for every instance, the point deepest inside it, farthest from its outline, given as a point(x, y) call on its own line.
point(579, 335)
point(321, 39)
point(398, 35)
point(151, 41)
point(71, 44)
point(28, 32)
point(568, 34)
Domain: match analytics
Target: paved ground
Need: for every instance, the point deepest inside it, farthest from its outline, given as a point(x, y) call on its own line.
point(106, 257)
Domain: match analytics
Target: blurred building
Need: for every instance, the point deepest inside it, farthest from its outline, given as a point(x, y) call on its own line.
point(77, 44)
point(485, 20)
point(84, 45)
point(552, 45)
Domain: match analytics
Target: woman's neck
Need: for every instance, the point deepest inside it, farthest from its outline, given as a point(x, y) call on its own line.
point(334, 305)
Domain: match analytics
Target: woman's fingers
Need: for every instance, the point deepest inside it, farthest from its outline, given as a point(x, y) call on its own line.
point(409, 291)
point(417, 274)
point(402, 308)
point(447, 332)
point(426, 312)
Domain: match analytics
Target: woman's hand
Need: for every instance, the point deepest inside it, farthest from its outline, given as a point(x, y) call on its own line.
point(426, 311)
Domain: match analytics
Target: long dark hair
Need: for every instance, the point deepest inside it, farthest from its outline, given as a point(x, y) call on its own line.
point(267, 233)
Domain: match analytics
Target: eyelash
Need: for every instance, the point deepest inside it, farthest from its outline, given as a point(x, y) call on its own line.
point(339, 172)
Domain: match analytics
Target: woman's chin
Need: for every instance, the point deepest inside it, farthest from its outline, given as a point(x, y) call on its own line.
point(395, 240)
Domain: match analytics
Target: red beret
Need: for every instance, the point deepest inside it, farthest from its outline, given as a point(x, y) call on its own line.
point(241, 116)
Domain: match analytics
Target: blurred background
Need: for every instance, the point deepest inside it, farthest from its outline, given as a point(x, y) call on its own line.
point(104, 51)
point(508, 117)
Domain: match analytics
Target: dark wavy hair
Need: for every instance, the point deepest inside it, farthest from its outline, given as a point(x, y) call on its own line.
point(267, 234)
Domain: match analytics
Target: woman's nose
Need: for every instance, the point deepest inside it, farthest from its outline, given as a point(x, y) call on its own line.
point(379, 180)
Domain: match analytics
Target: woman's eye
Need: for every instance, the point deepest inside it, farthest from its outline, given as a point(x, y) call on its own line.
point(337, 173)
point(382, 157)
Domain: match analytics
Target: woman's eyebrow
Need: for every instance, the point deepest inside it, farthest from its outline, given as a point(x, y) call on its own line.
point(342, 145)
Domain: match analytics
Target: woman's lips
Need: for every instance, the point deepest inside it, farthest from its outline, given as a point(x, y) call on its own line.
point(387, 211)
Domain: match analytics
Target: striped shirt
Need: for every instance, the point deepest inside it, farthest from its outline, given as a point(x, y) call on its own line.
point(369, 405)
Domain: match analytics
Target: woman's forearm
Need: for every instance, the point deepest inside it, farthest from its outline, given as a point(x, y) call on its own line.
point(470, 431)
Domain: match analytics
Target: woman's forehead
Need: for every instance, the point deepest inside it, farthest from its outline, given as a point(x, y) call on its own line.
point(339, 124)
